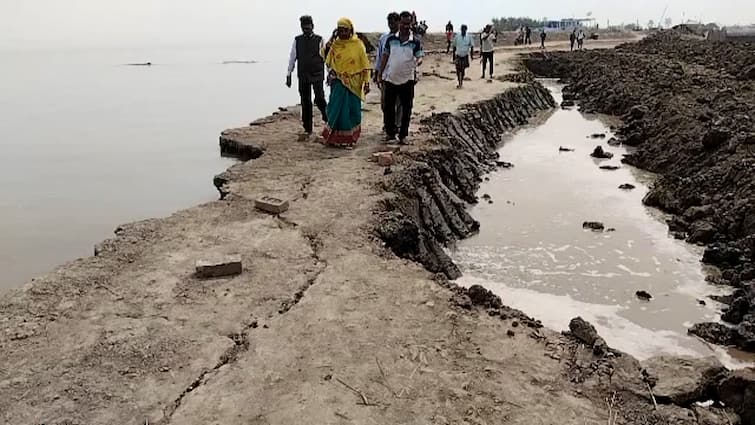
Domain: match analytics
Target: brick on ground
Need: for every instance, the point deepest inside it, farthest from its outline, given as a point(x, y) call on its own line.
point(229, 265)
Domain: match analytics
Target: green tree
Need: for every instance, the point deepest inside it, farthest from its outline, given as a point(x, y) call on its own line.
point(514, 23)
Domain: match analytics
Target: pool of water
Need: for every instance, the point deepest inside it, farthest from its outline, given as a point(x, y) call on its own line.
point(535, 254)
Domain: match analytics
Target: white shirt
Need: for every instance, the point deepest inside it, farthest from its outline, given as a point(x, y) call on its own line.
point(463, 44)
point(292, 56)
point(487, 42)
point(402, 59)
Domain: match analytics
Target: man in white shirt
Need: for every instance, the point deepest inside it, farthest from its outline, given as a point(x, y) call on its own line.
point(393, 24)
point(463, 54)
point(306, 50)
point(580, 39)
point(403, 53)
point(487, 47)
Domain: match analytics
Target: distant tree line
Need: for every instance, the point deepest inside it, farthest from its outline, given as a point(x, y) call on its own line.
point(512, 23)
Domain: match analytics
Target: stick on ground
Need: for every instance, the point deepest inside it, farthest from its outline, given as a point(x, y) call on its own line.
point(652, 396)
point(356, 391)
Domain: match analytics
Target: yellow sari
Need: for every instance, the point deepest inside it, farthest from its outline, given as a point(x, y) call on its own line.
point(348, 59)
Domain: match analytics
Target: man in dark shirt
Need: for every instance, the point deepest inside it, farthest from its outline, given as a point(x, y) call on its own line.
point(306, 50)
point(449, 36)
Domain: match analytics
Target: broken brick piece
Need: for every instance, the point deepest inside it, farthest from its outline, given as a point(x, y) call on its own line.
point(219, 267)
point(271, 205)
point(385, 159)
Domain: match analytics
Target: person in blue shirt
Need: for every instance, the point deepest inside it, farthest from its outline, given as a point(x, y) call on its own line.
point(463, 54)
point(393, 27)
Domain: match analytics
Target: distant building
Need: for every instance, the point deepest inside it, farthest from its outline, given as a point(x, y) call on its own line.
point(568, 24)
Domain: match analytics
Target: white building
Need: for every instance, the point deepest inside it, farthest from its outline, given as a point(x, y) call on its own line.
point(568, 24)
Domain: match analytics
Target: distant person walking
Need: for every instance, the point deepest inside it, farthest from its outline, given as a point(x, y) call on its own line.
point(393, 28)
point(306, 50)
point(580, 39)
point(573, 38)
point(403, 53)
point(463, 54)
point(527, 35)
point(543, 35)
point(487, 48)
point(349, 79)
point(449, 36)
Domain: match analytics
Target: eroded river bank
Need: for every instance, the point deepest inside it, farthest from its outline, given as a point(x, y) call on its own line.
point(326, 324)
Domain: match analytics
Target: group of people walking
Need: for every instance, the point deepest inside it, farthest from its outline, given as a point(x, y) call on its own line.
point(349, 73)
point(578, 36)
point(462, 47)
point(343, 64)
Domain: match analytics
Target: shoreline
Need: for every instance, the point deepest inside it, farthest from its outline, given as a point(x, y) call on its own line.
point(324, 317)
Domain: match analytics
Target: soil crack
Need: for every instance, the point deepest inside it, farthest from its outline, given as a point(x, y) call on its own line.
point(240, 345)
point(315, 244)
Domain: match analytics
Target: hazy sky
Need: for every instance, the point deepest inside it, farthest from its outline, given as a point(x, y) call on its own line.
point(50, 23)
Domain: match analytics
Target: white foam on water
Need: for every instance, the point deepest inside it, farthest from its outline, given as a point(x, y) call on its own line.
point(556, 311)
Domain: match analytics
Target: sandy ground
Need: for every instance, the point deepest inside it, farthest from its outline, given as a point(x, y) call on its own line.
point(324, 326)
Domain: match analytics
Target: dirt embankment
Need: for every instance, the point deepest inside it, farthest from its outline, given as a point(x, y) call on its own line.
point(326, 325)
point(688, 107)
point(429, 210)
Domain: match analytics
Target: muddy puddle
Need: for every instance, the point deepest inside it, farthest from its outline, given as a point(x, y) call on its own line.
point(535, 254)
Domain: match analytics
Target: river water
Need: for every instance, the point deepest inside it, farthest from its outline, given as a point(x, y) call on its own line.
point(88, 143)
point(534, 253)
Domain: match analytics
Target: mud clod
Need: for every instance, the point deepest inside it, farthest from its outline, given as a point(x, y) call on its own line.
point(586, 333)
point(595, 226)
point(483, 297)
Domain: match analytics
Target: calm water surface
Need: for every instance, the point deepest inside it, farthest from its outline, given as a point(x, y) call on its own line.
point(87, 143)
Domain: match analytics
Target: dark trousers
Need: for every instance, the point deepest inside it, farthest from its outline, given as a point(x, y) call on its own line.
point(305, 92)
point(527, 39)
point(405, 95)
point(487, 57)
point(396, 106)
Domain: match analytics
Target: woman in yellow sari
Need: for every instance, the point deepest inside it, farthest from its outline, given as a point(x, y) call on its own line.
point(348, 76)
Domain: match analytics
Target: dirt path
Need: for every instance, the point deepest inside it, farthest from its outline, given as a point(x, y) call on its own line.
point(324, 325)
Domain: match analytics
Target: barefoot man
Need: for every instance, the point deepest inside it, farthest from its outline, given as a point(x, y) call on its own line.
point(463, 54)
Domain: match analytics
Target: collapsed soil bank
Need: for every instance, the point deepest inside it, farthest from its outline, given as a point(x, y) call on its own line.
point(429, 209)
point(687, 106)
